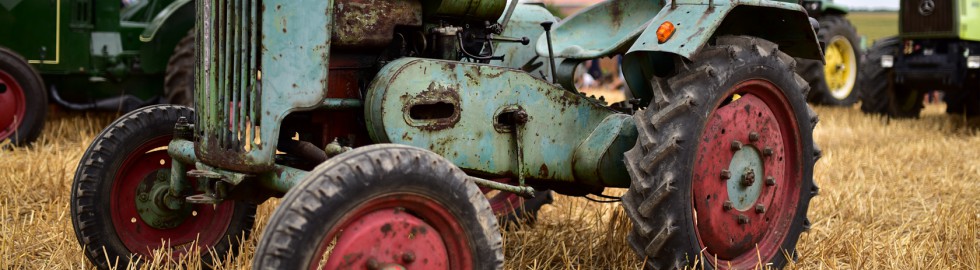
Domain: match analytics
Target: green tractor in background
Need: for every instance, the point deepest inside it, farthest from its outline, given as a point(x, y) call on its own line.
point(91, 54)
point(832, 82)
point(937, 48)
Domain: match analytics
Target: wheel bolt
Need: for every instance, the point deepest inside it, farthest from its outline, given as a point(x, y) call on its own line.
point(736, 145)
point(408, 257)
point(144, 197)
point(373, 264)
point(767, 151)
point(760, 208)
point(742, 219)
point(753, 136)
point(725, 174)
point(770, 181)
point(749, 178)
point(727, 205)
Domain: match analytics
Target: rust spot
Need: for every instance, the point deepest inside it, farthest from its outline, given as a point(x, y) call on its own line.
point(385, 229)
point(543, 171)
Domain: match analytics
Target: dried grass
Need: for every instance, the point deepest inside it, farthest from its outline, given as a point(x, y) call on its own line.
point(896, 194)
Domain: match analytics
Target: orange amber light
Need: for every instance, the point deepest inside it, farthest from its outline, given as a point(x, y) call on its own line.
point(665, 31)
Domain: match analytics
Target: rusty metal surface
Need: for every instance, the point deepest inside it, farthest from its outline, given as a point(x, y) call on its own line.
point(600, 29)
point(257, 65)
point(525, 22)
point(366, 24)
point(783, 22)
point(479, 98)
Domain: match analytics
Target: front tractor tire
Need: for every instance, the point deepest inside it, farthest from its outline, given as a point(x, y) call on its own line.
point(880, 94)
point(23, 101)
point(834, 81)
point(383, 207)
point(119, 198)
point(722, 171)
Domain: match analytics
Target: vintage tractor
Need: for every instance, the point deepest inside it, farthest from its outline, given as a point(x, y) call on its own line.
point(833, 81)
point(103, 54)
point(388, 127)
point(937, 48)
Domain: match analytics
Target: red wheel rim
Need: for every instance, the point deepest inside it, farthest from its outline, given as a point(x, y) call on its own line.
point(502, 202)
point(13, 105)
point(740, 219)
point(402, 229)
point(207, 226)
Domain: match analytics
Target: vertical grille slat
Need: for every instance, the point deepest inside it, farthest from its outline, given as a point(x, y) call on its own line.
point(227, 86)
point(939, 20)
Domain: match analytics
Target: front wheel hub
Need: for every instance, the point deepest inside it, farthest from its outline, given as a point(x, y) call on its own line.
point(750, 208)
point(13, 105)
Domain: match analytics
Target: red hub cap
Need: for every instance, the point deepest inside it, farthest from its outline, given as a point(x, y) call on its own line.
point(396, 231)
point(12, 105)
point(746, 183)
point(205, 224)
point(502, 202)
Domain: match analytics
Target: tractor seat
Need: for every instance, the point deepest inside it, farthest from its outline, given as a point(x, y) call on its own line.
point(599, 29)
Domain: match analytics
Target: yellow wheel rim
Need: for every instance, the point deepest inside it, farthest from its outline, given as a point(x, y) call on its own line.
point(840, 70)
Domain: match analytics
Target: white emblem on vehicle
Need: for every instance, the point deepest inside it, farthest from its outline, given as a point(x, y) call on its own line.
point(926, 7)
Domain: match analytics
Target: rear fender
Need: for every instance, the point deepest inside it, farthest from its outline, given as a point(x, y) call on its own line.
point(162, 34)
point(697, 23)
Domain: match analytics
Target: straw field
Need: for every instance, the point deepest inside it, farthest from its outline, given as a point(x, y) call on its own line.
point(895, 194)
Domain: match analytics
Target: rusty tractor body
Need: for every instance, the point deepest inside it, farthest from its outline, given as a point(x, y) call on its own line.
point(371, 114)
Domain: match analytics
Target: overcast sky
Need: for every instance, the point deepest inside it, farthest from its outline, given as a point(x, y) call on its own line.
point(892, 4)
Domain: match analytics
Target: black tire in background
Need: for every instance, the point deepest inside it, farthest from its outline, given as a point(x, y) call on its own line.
point(24, 94)
point(833, 26)
point(370, 195)
point(879, 92)
point(105, 197)
point(178, 83)
point(663, 200)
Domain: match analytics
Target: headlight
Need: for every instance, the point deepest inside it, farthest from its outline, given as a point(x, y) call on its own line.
point(887, 61)
point(973, 62)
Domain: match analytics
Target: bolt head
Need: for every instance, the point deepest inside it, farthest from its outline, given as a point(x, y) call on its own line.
point(753, 136)
point(760, 208)
point(373, 264)
point(770, 181)
point(727, 205)
point(725, 174)
point(767, 151)
point(408, 257)
point(742, 219)
point(736, 145)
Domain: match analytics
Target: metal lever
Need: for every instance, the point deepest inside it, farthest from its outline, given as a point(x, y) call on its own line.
point(551, 51)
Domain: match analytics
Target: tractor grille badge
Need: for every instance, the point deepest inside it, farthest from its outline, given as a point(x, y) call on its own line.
point(926, 7)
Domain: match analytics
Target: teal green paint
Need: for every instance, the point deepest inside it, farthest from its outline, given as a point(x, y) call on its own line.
point(696, 23)
point(525, 22)
point(600, 30)
point(151, 203)
point(281, 178)
point(743, 197)
point(599, 158)
point(559, 121)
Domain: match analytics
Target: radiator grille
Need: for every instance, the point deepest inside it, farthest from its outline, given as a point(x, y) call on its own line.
point(918, 18)
point(228, 92)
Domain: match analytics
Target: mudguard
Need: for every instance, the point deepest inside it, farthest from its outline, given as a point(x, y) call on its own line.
point(161, 19)
point(163, 33)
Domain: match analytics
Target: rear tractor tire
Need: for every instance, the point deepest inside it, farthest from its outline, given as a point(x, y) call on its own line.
point(722, 171)
point(178, 83)
point(119, 198)
point(23, 101)
point(834, 81)
point(383, 207)
point(880, 94)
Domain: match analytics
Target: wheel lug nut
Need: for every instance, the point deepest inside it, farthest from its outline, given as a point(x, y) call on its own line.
point(767, 151)
point(373, 264)
point(753, 136)
point(725, 174)
point(760, 208)
point(736, 145)
point(408, 257)
point(727, 205)
point(770, 181)
point(742, 219)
